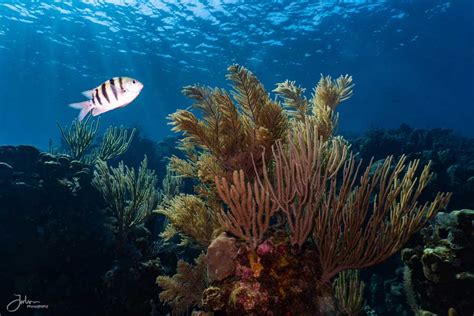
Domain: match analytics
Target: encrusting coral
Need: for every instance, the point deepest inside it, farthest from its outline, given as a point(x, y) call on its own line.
point(276, 178)
point(438, 267)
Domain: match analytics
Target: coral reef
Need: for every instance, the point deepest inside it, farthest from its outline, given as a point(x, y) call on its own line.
point(58, 242)
point(51, 223)
point(439, 266)
point(385, 289)
point(451, 156)
point(301, 208)
point(264, 211)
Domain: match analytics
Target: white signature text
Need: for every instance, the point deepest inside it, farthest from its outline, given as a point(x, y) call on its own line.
point(15, 305)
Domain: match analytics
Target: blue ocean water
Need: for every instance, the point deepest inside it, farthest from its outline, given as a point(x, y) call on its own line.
point(412, 61)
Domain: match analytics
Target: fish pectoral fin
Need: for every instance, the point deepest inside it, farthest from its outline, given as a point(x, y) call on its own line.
point(88, 93)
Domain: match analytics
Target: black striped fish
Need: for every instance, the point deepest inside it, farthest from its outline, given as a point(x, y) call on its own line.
point(112, 94)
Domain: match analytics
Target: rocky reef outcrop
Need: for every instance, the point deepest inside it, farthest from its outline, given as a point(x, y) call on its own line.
point(439, 272)
point(451, 155)
point(50, 218)
point(57, 241)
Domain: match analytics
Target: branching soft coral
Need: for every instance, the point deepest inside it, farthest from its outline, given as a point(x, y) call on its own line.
point(349, 292)
point(232, 129)
point(320, 110)
point(191, 218)
point(80, 136)
point(115, 142)
point(183, 290)
point(130, 195)
point(250, 209)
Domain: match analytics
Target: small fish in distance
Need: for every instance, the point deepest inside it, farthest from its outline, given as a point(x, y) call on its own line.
point(112, 94)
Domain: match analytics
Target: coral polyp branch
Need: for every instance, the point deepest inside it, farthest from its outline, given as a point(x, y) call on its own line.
point(115, 142)
point(191, 217)
point(293, 98)
point(349, 292)
point(352, 232)
point(302, 170)
point(250, 209)
point(130, 195)
point(232, 129)
point(80, 135)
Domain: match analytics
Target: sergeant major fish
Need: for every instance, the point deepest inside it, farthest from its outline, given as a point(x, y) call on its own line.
point(112, 94)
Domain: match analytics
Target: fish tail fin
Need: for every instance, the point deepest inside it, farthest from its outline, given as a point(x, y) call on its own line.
point(85, 108)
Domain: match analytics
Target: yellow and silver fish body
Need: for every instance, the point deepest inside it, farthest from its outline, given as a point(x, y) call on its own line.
point(112, 94)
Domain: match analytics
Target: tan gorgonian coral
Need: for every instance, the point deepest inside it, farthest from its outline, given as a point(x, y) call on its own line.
point(349, 292)
point(320, 109)
point(294, 99)
point(183, 290)
point(357, 221)
point(233, 129)
point(302, 169)
point(364, 220)
point(250, 209)
point(191, 219)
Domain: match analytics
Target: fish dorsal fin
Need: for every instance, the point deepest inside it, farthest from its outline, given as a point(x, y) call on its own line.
point(88, 93)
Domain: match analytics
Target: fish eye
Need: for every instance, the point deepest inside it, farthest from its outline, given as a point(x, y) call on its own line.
point(133, 81)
